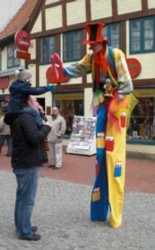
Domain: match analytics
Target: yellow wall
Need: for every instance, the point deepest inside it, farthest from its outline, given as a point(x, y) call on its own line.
point(72, 16)
point(101, 9)
point(151, 4)
point(38, 25)
point(53, 17)
point(127, 6)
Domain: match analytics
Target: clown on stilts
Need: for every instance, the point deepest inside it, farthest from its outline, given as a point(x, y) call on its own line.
point(114, 102)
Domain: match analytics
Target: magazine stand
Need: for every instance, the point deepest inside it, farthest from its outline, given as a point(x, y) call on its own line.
point(83, 138)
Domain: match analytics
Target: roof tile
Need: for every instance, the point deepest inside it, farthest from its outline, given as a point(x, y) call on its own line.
point(19, 21)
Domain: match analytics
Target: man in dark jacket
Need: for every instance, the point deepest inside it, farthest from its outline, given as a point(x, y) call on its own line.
point(27, 136)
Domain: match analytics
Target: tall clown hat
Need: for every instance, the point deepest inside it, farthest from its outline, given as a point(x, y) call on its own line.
point(94, 31)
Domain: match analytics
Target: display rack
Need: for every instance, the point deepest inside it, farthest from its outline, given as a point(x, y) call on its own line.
point(83, 138)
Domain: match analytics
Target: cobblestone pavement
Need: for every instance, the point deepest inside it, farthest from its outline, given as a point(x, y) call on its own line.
point(61, 213)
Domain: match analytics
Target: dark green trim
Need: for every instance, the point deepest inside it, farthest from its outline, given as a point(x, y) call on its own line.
point(141, 142)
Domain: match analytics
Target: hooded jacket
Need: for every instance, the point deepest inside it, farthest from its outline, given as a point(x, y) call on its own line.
point(20, 91)
point(27, 137)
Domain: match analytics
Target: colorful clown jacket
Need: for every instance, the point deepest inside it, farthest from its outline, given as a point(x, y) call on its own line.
point(107, 64)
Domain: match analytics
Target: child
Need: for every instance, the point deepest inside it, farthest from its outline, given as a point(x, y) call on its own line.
point(20, 90)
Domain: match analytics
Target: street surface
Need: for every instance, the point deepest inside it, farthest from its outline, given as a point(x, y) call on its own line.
point(61, 211)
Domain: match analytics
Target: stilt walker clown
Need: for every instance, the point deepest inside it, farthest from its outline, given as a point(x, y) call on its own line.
point(113, 99)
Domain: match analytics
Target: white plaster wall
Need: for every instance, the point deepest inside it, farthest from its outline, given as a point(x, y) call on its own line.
point(42, 75)
point(147, 65)
point(38, 25)
point(32, 68)
point(89, 78)
point(53, 17)
point(42, 82)
point(32, 49)
point(127, 38)
point(100, 9)
point(88, 95)
point(127, 6)
point(151, 4)
point(76, 12)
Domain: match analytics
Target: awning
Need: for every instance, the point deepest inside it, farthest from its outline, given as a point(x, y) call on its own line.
point(8, 72)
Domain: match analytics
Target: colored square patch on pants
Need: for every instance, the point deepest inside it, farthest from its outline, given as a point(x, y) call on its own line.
point(118, 169)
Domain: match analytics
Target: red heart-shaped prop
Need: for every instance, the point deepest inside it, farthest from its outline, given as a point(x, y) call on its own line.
point(54, 73)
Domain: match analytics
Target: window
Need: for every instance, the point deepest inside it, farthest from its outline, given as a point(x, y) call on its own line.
point(12, 61)
point(142, 35)
point(47, 47)
point(142, 123)
point(112, 33)
point(72, 46)
point(70, 104)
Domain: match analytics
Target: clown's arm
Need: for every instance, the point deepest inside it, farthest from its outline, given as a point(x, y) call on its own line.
point(79, 69)
point(124, 78)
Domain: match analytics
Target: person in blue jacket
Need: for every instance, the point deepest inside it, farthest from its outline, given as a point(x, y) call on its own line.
point(21, 88)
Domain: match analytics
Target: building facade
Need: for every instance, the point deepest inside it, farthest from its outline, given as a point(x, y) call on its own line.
point(58, 26)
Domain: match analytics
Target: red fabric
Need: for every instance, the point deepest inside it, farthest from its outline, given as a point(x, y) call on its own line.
point(100, 60)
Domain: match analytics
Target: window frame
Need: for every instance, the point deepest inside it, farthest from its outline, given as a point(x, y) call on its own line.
point(15, 61)
point(141, 35)
point(47, 51)
point(71, 45)
point(107, 33)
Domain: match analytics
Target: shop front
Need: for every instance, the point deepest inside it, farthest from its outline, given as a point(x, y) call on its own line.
point(70, 104)
point(142, 124)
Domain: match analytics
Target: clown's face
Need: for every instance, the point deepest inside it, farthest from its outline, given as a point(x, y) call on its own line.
point(96, 47)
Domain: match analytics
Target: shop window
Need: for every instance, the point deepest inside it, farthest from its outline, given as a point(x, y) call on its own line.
point(69, 105)
point(112, 33)
point(72, 46)
point(11, 60)
point(142, 123)
point(142, 33)
point(47, 47)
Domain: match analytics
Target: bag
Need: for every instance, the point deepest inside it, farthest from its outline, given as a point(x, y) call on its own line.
point(46, 146)
point(1, 123)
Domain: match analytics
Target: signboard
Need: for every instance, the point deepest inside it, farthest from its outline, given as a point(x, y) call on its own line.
point(134, 67)
point(4, 83)
point(22, 40)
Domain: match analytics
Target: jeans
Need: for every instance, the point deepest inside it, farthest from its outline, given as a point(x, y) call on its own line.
point(27, 182)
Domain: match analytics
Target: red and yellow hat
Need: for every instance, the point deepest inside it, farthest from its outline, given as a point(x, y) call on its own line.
point(94, 31)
